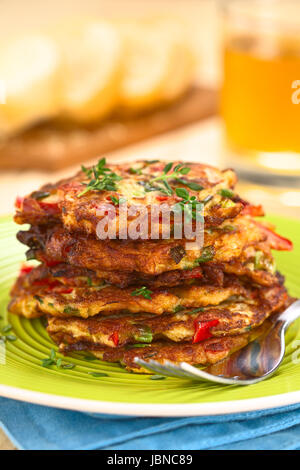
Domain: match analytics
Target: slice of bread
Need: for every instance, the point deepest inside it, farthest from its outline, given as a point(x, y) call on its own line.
point(30, 72)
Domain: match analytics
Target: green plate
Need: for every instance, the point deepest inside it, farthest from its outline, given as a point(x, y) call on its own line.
point(22, 376)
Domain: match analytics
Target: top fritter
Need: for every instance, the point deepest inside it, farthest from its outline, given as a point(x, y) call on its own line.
point(81, 201)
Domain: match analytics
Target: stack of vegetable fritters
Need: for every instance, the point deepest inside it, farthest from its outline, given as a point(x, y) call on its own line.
point(126, 298)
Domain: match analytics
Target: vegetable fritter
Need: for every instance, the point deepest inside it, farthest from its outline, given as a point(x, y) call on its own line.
point(78, 202)
point(206, 352)
point(231, 317)
point(53, 245)
point(35, 299)
point(148, 296)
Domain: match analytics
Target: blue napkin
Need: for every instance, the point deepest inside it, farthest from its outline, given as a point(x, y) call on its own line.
point(38, 427)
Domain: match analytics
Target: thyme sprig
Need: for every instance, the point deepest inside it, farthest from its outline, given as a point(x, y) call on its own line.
point(102, 178)
point(189, 204)
point(177, 174)
point(52, 360)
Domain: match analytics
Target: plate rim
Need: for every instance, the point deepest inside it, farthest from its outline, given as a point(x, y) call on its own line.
point(150, 409)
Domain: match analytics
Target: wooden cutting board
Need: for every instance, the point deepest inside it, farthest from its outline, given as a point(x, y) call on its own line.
point(54, 146)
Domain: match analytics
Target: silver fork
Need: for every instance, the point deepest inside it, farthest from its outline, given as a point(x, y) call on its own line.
point(254, 363)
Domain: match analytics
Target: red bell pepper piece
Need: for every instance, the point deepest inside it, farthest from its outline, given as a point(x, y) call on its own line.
point(114, 338)
point(195, 273)
point(162, 198)
point(19, 202)
point(25, 269)
point(202, 330)
point(254, 211)
point(66, 290)
point(53, 286)
point(50, 263)
point(51, 208)
point(46, 282)
point(277, 242)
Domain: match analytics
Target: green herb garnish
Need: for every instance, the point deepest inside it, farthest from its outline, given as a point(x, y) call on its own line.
point(117, 201)
point(226, 193)
point(183, 193)
point(189, 204)
point(90, 358)
point(38, 298)
point(39, 195)
point(67, 365)
point(160, 183)
point(179, 308)
point(98, 374)
point(157, 377)
point(144, 291)
point(102, 178)
point(144, 335)
point(134, 171)
point(52, 360)
point(47, 362)
point(72, 310)
point(6, 328)
point(138, 345)
point(190, 184)
point(195, 310)
point(207, 254)
point(229, 228)
point(178, 171)
point(11, 337)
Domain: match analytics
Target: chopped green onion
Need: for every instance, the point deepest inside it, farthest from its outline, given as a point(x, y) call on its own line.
point(72, 310)
point(144, 335)
point(11, 337)
point(207, 254)
point(98, 374)
point(146, 293)
point(6, 328)
point(195, 310)
point(39, 195)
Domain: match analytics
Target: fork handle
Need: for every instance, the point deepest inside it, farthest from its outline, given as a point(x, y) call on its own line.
point(290, 314)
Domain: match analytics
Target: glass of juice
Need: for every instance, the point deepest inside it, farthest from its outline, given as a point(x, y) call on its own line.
point(260, 98)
